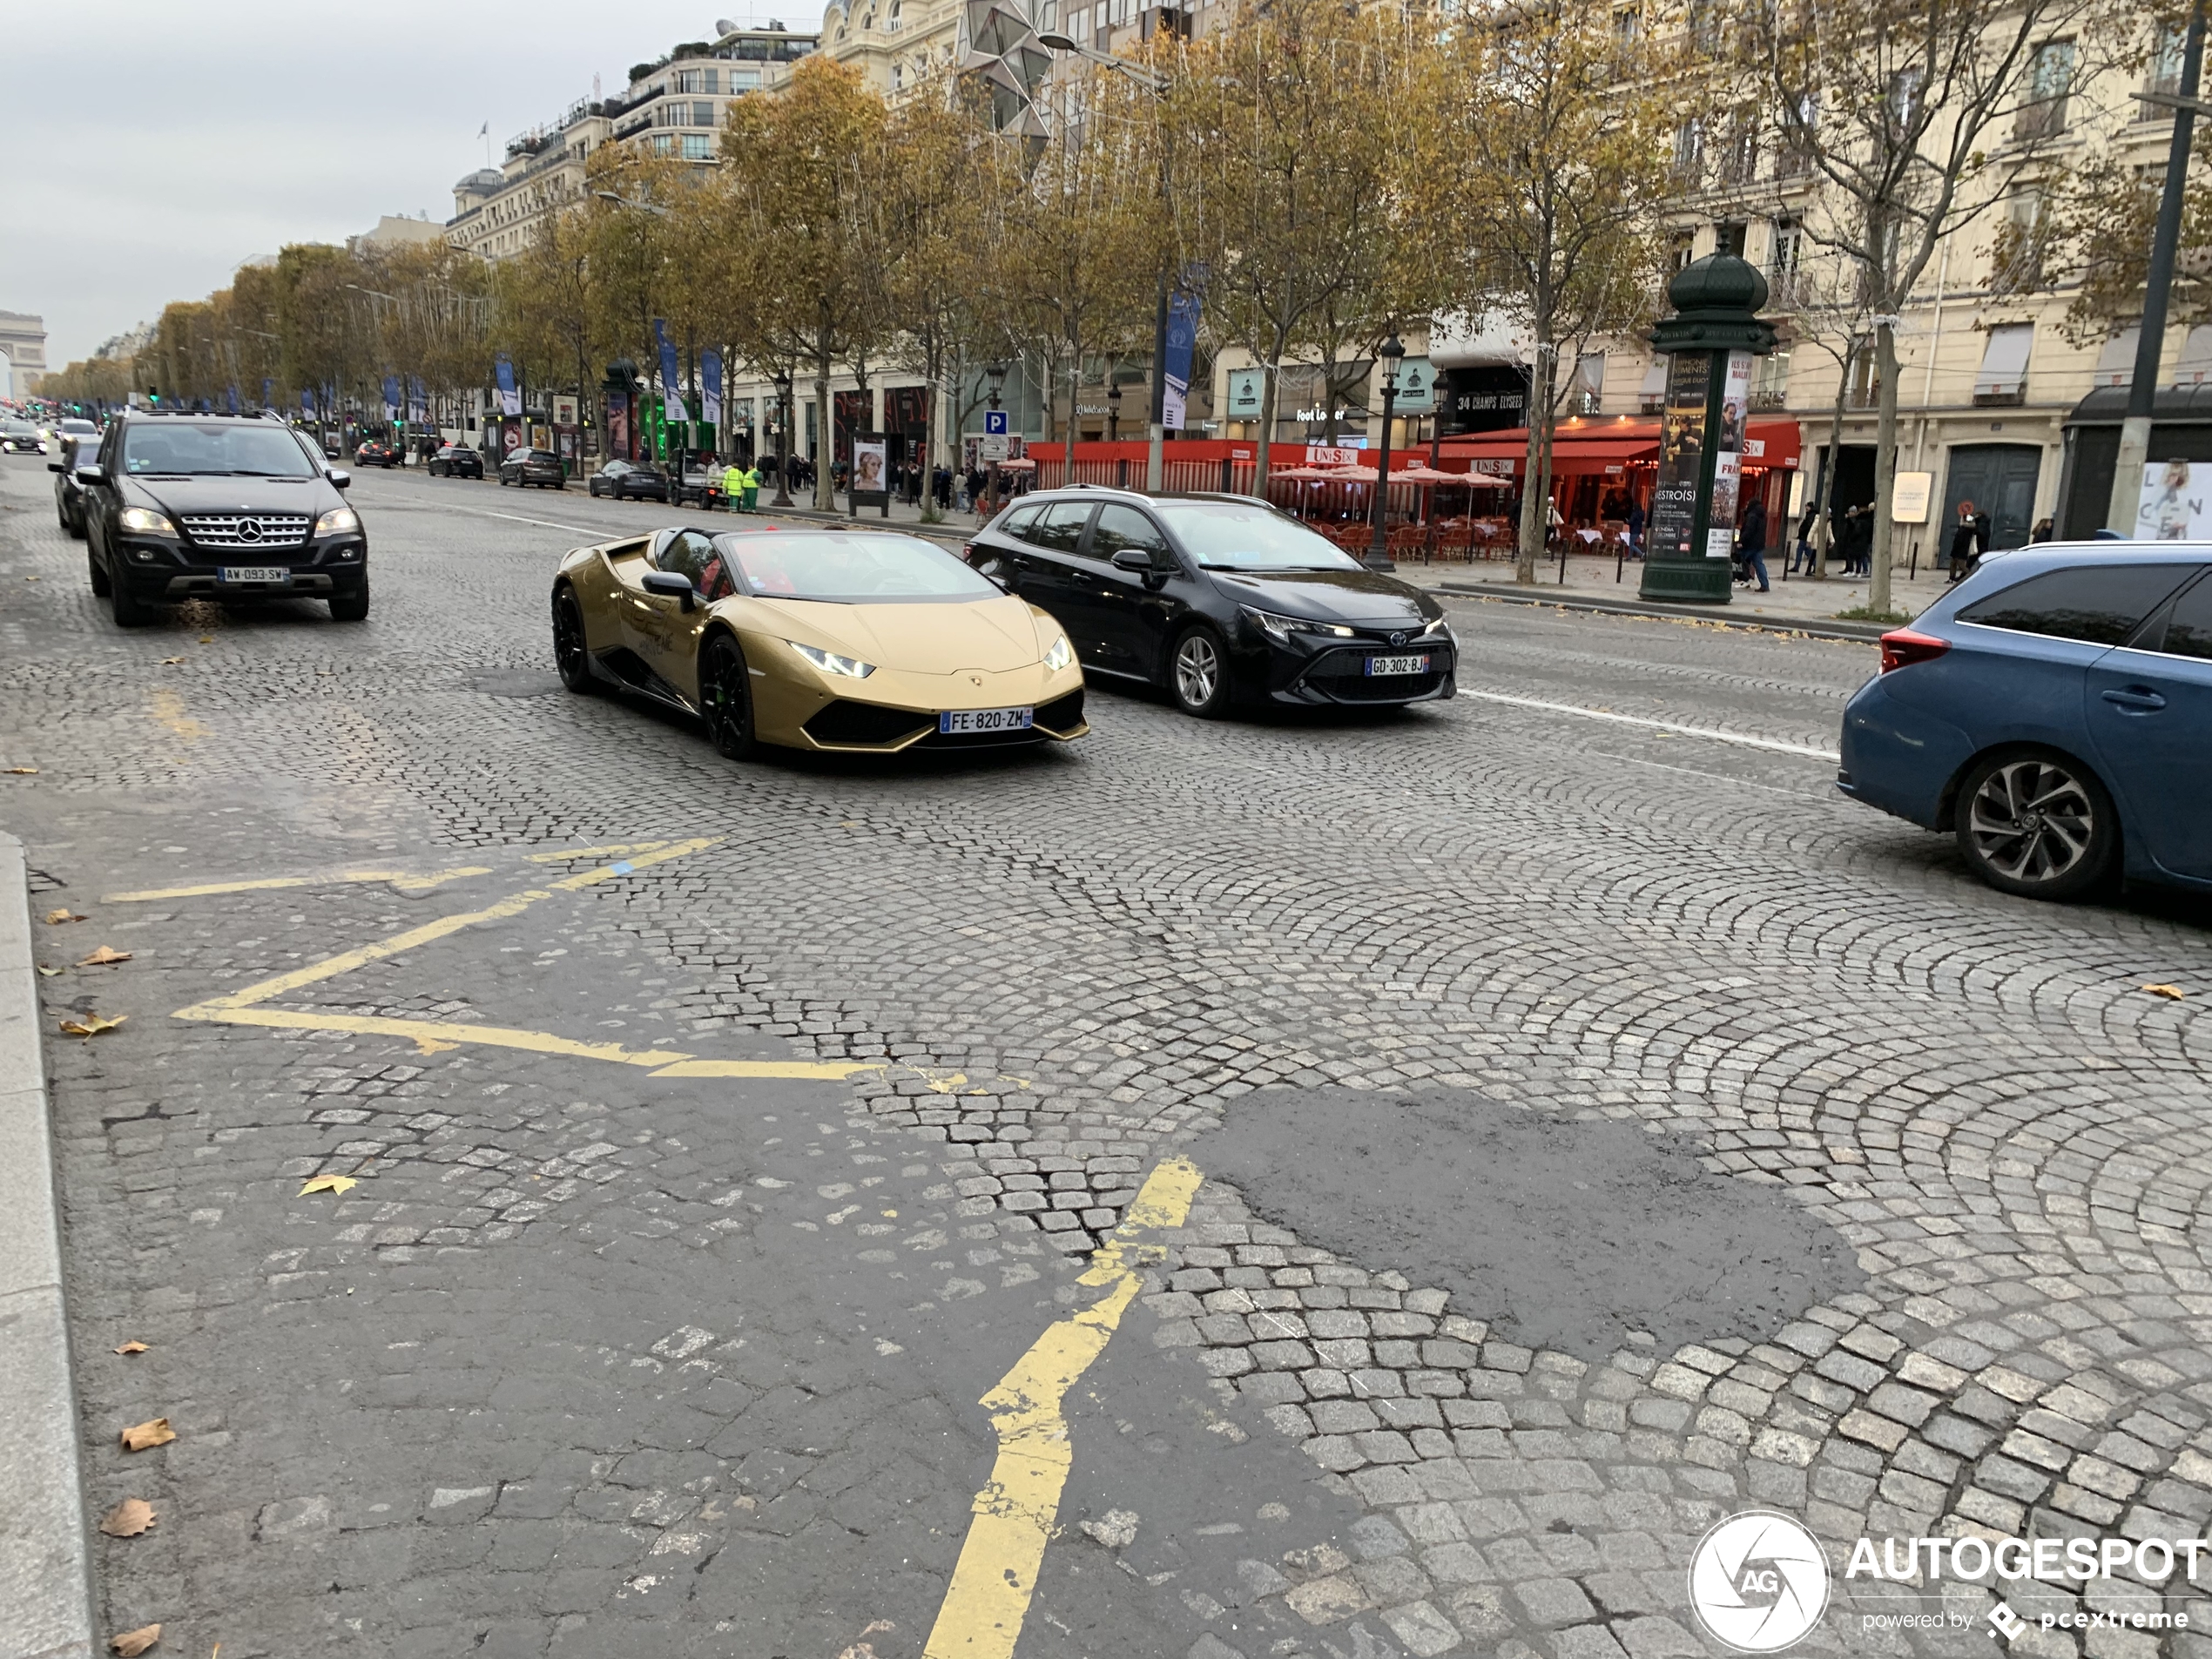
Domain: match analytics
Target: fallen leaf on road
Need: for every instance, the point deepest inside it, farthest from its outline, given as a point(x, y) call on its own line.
point(49, 973)
point(170, 662)
point(2174, 991)
point(22, 771)
point(104, 955)
point(141, 1436)
point(876, 1625)
point(328, 1183)
point(132, 1643)
point(92, 1025)
point(207, 639)
point(54, 918)
point(128, 1518)
point(132, 1346)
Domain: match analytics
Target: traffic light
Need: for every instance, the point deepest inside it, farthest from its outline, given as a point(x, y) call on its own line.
point(153, 396)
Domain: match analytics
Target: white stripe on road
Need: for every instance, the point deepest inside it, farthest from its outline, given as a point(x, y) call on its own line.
point(486, 512)
point(1775, 744)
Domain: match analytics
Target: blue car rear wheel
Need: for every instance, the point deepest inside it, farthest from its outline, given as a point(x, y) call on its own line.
point(2037, 823)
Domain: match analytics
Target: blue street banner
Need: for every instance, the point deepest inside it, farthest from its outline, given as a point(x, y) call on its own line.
point(1182, 339)
point(306, 403)
point(391, 397)
point(269, 394)
point(672, 404)
point(233, 400)
point(510, 400)
point(711, 387)
point(418, 400)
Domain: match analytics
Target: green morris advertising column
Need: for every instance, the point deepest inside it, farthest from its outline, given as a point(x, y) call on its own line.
point(1709, 342)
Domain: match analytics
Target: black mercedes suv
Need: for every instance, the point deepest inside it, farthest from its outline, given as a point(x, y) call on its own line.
point(217, 507)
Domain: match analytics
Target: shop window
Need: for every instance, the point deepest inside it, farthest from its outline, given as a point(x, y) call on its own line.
point(2003, 376)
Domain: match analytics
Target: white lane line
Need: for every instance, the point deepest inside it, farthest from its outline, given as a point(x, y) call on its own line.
point(1774, 744)
point(486, 512)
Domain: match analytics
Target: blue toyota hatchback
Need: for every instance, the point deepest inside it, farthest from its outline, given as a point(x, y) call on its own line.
point(2054, 713)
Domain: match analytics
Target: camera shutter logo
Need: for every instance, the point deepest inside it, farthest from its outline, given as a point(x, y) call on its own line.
point(1759, 1581)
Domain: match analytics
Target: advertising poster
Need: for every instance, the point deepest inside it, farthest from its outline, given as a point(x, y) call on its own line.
point(1183, 339)
point(2175, 498)
point(510, 396)
point(618, 423)
point(1681, 455)
point(871, 471)
point(1728, 462)
point(563, 410)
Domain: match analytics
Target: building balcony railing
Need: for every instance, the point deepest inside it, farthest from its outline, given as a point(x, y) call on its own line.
point(1769, 399)
point(2001, 394)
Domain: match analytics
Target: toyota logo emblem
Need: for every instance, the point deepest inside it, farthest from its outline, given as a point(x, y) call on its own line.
point(1398, 638)
point(249, 530)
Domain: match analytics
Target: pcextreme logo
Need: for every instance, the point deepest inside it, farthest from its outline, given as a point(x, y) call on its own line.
point(1759, 1581)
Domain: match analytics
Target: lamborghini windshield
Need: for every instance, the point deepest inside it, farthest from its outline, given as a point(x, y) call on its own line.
point(852, 567)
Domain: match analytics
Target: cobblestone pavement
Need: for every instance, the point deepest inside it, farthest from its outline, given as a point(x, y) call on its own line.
point(595, 1362)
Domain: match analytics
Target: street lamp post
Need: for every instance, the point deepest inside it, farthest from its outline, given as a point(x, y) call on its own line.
point(2124, 509)
point(1113, 411)
point(783, 439)
point(997, 372)
point(1393, 352)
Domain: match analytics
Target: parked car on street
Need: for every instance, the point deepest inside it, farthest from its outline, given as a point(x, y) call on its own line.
point(374, 452)
point(2054, 713)
point(456, 461)
point(1219, 599)
point(539, 466)
point(629, 481)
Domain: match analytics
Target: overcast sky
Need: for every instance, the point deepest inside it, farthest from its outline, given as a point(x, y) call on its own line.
point(153, 144)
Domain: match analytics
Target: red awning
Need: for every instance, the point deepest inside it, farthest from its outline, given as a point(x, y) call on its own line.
point(1593, 445)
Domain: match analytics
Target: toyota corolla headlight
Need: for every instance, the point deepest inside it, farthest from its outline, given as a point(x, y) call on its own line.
point(830, 663)
point(1441, 630)
point(337, 518)
point(1280, 629)
point(146, 521)
point(1061, 655)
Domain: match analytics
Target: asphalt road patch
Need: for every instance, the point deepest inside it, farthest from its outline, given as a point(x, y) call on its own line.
point(1563, 1233)
point(516, 681)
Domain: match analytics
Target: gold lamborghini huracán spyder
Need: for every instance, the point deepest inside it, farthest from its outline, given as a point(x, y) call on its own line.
point(852, 640)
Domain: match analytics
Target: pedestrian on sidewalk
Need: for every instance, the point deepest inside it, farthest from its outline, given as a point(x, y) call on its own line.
point(2045, 530)
point(1861, 542)
point(1636, 528)
point(1967, 537)
point(751, 483)
point(1804, 547)
point(1751, 536)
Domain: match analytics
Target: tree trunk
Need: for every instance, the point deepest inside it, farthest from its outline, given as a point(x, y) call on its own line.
point(1877, 586)
point(1535, 496)
point(1826, 493)
point(1074, 391)
point(1271, 374)
point(825, 435)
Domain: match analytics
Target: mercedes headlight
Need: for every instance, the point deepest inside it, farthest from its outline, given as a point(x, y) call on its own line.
point(1280, 629)
point(830, 663)
point(337, 518)
point(1061, 655)
point(146, 521)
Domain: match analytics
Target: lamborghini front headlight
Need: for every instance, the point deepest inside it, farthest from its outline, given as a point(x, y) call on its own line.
point(830, 663)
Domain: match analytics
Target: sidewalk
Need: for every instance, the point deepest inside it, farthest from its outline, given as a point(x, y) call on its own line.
point(46, 1597)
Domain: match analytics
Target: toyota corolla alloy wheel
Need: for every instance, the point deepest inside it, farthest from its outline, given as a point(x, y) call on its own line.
point(1198, 672)
point(2041, 826)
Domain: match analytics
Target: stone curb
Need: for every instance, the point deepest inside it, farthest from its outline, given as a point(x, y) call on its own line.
point(46, 1563)
point(1857, 633)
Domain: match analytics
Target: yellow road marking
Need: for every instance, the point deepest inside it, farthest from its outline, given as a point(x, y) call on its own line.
point(401, 879)
point(429, 932)
point(169, 708)
point(612, 852)
point(989, 1597)
point(836, 1070)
